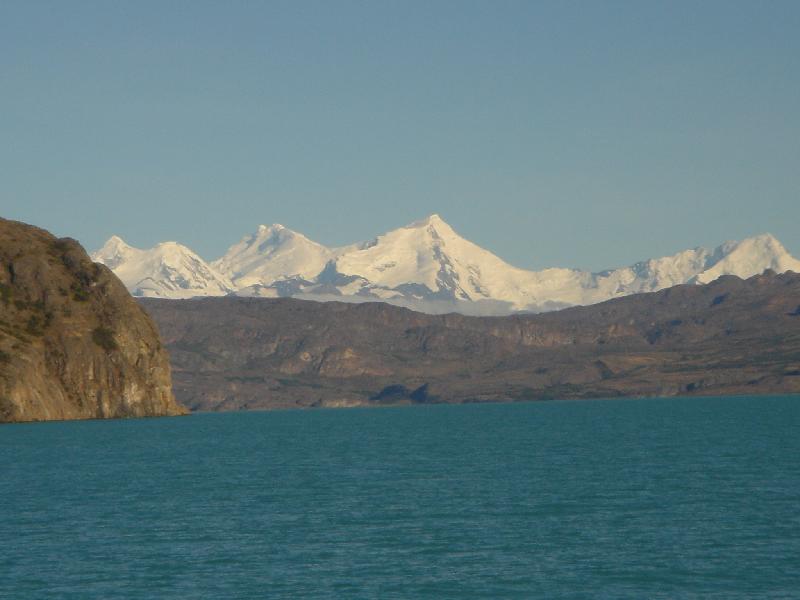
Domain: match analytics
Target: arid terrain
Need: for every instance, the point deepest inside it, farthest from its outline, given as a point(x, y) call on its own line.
point(731, 336)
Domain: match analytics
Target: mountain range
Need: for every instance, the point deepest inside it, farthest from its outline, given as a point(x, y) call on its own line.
point(425, 266)
point(732, 336)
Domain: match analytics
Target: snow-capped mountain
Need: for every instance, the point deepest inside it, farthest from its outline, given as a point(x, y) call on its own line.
point(429, 260)
point(744, 259)
point(747, 258)
point(168, 270)
point(273, 253)
point(425, 265)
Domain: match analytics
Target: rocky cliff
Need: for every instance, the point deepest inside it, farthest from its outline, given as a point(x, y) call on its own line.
point(731, 336)
point(73, 343)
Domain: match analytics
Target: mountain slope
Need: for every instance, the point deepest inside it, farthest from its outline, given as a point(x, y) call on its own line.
point(168, 270)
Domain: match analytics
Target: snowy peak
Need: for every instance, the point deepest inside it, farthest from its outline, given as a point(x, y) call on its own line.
point(114, 243)
point(409, 255)
point(749, 257)
point(272, 253)
point(744, 259)
point(271, 230)
point(168, 270)
point(429, 260)
point(114, 252)
point(435, 229)
point(433, 220)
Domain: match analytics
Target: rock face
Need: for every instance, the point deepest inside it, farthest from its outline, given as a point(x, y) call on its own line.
point(73, 343)
point(731, 336)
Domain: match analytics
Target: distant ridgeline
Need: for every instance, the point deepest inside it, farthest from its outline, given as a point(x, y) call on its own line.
point(73, 343)
point(731, 336)
point(425, 266)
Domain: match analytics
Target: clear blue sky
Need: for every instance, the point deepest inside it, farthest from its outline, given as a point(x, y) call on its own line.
point(585, 134)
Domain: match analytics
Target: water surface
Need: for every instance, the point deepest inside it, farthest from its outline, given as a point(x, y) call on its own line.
point(678, 498)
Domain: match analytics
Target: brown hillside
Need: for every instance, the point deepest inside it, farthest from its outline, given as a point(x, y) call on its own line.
point(73, 343)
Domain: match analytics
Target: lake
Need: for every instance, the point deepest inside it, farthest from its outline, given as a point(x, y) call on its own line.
point(662, 498)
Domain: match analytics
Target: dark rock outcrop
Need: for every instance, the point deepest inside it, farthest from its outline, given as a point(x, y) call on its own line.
point(731, 336)
point(73, 343)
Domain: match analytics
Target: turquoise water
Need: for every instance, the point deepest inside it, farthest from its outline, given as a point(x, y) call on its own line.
point(679, 498)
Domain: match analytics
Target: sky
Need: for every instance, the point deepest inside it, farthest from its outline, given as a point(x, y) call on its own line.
point(585, 134)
